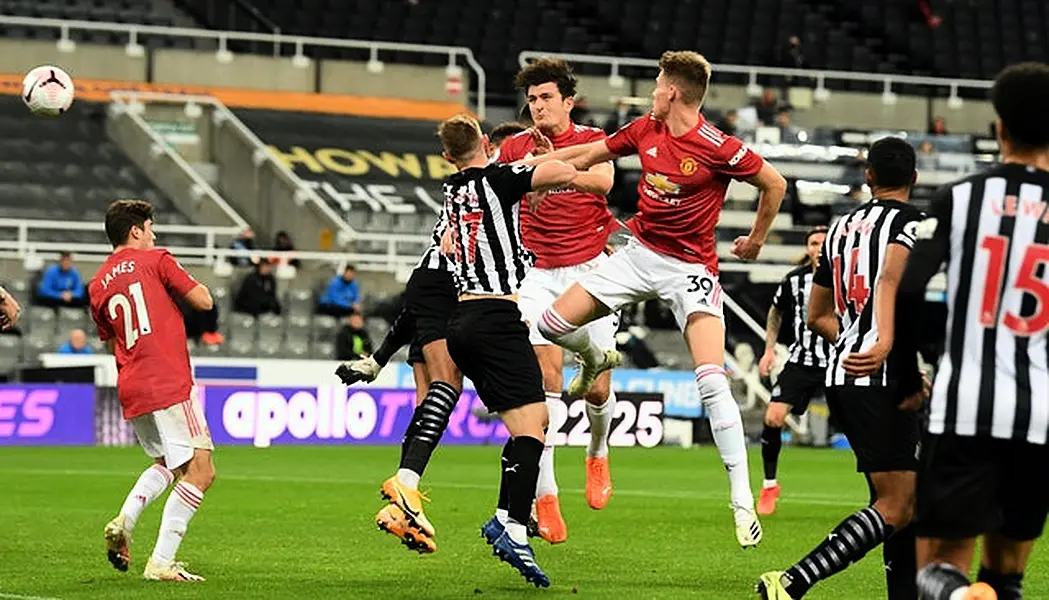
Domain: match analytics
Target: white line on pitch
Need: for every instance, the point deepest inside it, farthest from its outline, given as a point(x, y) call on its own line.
point(22, 597)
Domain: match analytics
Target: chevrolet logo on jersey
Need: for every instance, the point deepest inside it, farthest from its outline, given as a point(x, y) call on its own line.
point(662, 184)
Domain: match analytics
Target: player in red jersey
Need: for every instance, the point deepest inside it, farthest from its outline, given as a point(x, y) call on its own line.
point(687, 165)
point(568, 233)
point(133, 305)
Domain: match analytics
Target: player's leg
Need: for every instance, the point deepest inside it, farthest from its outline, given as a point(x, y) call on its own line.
point(150, 485)
point(771, 444)
point(187, 449)
point(705, 336)
point(956, 502)
point(600, 409)
point(538, 291)
point(488, 339)
point(552, 527)
point(422, 379)
point(614, 283)
point(884, 440)
point(1023, 493)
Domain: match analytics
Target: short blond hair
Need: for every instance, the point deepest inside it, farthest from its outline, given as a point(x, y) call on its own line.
point(460, 136)
point(689, 71)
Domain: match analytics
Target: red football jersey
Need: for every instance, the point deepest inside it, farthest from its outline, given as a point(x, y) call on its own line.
point(569, 227)
point(133, 302)
point(683, 184)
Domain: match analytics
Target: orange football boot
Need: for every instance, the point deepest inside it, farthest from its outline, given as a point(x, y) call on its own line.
point(598, 482)
point(767, 500)
point(552, 526)
point(393, 521)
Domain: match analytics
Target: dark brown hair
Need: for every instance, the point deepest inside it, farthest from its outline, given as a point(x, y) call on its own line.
point(460, 136)
point(689, 72)
point(122, 215)
point(546, 70)
point(804, 260)
point(505, 130)
point(1020, 95)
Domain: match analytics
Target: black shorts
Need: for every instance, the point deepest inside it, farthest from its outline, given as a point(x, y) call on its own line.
point(883, 437)
point(970, 486)
point(797, 385)
point(489, 343)
point(430, 297)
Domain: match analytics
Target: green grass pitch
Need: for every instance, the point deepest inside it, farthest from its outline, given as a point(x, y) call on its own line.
point(298, 522)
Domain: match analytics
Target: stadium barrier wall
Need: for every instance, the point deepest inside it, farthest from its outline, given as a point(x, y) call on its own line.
point(83, 414)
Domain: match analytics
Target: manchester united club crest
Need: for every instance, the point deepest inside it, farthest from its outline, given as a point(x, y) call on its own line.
point(688, 165)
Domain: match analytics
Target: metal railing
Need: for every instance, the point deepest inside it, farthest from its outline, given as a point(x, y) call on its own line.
point(27, 241)
point(199, 188)
point(278, 39)
point(753, 72)
point(304, 193)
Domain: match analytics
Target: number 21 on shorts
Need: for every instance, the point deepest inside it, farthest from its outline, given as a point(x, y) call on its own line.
point(120, 303)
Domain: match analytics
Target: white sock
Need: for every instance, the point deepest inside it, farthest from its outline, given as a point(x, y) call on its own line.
point(600, 423)
point(182, 504)
point(959, 594)
point(517, 531)
point(409, 478)
point(726, 423)
point(769, 483)
point(576, 338)
point(547, 482)
point(151, 483)
point(502, 515)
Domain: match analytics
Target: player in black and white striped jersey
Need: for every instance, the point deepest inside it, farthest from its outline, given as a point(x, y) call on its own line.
point(430, 299)
point(874, 385)
point(802, 377)
point(487, 337)
point(985, 461)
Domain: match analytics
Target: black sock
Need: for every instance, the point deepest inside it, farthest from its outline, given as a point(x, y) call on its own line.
point(1008, 587)
point(427, 426)
point(901, 565)
point(504, 479)
point(771, 443)
point(401, 332)
point(850, 541)
point(937, 581)
point(522, 474)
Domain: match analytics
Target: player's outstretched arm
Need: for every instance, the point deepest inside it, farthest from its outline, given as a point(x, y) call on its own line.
point(552, 174)
point(821, 316)
point(773, 187)
point(595, 180)
point(200, 298)
point(9, 309)
point(581, 157)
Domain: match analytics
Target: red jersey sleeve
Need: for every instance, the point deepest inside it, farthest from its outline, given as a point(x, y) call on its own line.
point(626, 141)
point(174, 277)
point(513, 148)
point(736, 160)
point(105, 331)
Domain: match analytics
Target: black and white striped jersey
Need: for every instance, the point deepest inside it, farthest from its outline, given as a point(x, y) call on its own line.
point(792, 301)
point(851, 265)
point(992, 230)
point(484, 212)
point(433, 259)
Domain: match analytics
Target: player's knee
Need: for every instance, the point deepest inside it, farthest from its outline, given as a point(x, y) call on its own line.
point(553, 382)
point(599, 392)
point(201, 471)
point(897, 510)
point(775, 416)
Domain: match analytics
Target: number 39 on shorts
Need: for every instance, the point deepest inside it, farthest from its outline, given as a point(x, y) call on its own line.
point(701, 283)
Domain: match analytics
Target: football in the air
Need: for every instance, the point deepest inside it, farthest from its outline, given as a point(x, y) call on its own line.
point(47, 91)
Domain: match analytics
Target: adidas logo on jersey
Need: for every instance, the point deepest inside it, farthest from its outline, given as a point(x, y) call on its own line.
point(651, 152)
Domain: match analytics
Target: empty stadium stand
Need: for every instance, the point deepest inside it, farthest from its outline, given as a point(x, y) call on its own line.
point(68, 170)
point(148, 12)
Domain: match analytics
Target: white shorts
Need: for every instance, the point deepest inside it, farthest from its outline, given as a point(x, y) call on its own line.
point(542, 286)
point(174, 432)
point(638, 273)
